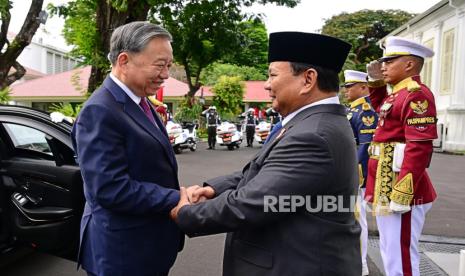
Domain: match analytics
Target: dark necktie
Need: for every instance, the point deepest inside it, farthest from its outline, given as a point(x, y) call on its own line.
point(145, 106)
point(273, 132)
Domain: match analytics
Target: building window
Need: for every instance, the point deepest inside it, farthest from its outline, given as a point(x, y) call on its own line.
point(57, 63)
point(50, 65)
point(426, 73)
point(447, 62)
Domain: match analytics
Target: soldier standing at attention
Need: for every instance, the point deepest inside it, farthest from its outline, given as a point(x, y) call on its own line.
point(213, 120)
point(398, 184)
point(250, 123)
point(363, 120)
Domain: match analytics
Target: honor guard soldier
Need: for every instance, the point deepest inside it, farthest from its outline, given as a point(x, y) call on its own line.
point(160, 108)
point(363, 120)
point(273, 116)
point(213, 120)
point(250, 123)
point(398, 184)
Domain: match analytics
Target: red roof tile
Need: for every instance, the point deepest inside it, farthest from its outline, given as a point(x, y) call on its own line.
point(60, 85)
point(174, 88)
point(57, 85)
point(254, 92)
point(30, 74)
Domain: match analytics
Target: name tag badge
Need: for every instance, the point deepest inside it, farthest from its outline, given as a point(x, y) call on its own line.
point(386, 106)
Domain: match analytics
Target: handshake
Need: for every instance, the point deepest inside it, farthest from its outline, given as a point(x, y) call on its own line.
point(191, 195)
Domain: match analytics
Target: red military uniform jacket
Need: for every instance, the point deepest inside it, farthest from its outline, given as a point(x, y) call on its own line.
point(407, 115)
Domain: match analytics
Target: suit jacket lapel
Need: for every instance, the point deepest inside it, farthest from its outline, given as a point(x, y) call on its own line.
point(162, 129)
point(136, 113)
point(325, 108)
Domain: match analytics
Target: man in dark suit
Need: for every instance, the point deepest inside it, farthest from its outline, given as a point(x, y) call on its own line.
point(127, 163)
point(270, 209)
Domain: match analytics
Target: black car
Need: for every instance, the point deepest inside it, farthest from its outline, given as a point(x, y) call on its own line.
point(41, 191)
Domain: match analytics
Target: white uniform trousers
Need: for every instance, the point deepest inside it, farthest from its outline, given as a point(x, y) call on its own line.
point(398, 240)
point(362, 220)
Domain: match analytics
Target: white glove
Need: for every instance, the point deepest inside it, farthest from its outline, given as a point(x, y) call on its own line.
point(399, 208)
point(58, 117)
point(374, 71)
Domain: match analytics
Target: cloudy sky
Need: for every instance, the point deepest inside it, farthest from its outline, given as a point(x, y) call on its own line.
point(308, 16)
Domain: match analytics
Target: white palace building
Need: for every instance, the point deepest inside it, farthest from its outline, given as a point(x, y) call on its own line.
point(442, 28)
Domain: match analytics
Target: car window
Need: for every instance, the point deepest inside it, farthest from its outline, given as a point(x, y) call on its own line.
point(28, 138)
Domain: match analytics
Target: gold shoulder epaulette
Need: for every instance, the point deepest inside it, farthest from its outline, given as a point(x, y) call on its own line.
point(366, 107)
point(154, 101)
point(413, 86)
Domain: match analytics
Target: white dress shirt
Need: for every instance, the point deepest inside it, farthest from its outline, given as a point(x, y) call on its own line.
point(126, 90)
point(332, 100)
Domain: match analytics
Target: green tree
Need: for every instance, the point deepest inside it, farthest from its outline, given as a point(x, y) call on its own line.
point(203, 30)
point(229, 92)
point(89, 25)
point(214, 71)
point(66, 109)
point(10, 50)
point(253, 39)
point(188, 113)
point(363, 29)
point(5, 95)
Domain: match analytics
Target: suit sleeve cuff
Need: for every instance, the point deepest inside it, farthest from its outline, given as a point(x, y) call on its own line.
point(172, 200)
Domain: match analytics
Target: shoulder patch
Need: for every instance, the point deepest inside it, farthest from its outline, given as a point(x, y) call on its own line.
point(349, 115)
point(419, 107)
point(413, 86)
point(366, 107)
point(368, 120)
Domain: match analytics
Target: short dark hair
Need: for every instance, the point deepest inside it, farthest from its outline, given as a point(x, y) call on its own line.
point(327, 80)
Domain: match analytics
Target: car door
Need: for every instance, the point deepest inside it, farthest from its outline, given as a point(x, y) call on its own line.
point(40, 181)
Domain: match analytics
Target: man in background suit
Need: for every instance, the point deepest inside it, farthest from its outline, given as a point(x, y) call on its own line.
point(312, 155)
point(127, 163)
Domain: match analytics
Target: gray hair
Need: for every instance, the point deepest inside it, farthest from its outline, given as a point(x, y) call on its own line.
point(134, 37)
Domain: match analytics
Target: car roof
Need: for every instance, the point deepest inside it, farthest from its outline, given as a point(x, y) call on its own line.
point(24, 111)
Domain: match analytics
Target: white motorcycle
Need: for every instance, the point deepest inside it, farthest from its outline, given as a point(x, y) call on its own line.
point(262, 130)
point(182, 137)
point(228, 135)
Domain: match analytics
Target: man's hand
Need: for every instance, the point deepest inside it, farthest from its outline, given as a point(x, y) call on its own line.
point(202, 193)
point(398, 208)
point(183, 201)
point(374, 71)
point(190, 190)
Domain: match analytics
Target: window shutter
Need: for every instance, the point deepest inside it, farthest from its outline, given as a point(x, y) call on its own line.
point(447, 62)
point(426, 73)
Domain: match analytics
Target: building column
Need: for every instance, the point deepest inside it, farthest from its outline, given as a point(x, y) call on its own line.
point(418, 36)
point(435, 73)
point(458, 97)
point(456, 111)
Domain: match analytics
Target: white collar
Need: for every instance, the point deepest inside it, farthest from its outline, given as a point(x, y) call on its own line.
point(331, 100)
point(126, 89)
